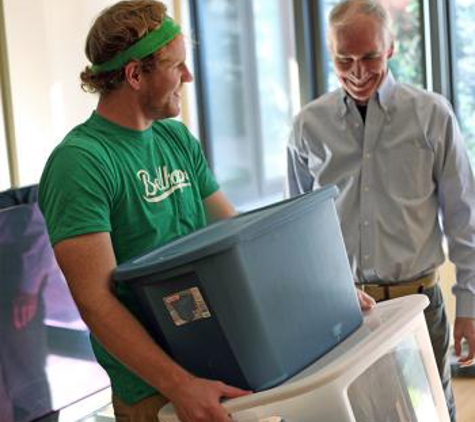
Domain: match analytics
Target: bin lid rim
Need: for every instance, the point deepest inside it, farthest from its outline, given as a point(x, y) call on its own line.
point(169, 256)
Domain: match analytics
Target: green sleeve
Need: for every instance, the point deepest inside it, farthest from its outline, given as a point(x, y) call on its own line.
point(206, 180)
point(75, 194)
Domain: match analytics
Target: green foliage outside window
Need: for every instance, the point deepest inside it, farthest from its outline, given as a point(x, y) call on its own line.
point(407, 62)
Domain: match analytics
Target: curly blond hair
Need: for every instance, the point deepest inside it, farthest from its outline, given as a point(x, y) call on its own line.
point(113, 31)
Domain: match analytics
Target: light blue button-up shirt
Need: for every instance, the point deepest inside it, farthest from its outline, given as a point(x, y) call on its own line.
point(405, 180)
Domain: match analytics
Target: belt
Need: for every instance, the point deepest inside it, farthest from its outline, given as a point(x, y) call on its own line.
point(385, 291)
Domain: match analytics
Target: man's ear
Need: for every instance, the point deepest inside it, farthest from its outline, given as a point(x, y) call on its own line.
point(390, 49)
point(133, 74)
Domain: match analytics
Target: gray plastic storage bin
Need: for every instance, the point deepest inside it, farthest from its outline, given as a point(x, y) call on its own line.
point(252, 300)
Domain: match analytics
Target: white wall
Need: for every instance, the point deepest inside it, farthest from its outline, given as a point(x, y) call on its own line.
point(45, 40)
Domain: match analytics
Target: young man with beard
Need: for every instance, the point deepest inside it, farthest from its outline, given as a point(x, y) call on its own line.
point(128, 180)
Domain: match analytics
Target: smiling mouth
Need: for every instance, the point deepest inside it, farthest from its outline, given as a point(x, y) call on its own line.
point(359, 84)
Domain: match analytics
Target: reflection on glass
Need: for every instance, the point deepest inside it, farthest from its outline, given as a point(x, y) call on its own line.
point(407, 62)
point(248, 48)
point(394, 389)
point(464, 58)
point(45, 359)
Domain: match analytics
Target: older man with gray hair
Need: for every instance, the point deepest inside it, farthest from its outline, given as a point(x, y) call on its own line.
point(398, 157)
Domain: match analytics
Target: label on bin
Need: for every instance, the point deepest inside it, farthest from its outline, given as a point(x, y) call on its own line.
point(186, 306)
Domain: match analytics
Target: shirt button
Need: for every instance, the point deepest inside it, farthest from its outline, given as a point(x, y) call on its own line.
point(366, 223)
point(368, 155)
point(366, 257)
point(366, 189)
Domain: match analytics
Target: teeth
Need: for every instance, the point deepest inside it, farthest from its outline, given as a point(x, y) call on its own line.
point(359, 84)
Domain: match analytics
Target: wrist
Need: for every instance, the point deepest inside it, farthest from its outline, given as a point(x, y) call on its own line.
point(173, 381)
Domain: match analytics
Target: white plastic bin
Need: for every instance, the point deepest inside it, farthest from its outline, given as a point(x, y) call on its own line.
point(384, 372)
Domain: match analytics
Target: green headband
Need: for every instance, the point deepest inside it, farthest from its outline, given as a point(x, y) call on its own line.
point(147, 45)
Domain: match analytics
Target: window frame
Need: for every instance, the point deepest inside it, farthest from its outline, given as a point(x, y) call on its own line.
point(261, 188)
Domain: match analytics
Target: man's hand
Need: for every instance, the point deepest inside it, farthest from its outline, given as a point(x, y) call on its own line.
point(366, 301)
point(198, 400)
point(464, 329)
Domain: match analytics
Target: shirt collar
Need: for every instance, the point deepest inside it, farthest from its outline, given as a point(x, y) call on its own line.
point(386, 90)
point(382, 96)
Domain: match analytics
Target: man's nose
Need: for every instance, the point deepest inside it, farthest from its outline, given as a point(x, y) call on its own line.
point(357, 68)
point(187, 76)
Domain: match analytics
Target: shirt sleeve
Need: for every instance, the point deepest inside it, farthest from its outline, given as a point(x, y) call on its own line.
point(456, 194)
point(298, 179)
point(75, 194)
point(206, 180)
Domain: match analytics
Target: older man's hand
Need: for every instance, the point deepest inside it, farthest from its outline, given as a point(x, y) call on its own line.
point(464, 328)
point(365, 300)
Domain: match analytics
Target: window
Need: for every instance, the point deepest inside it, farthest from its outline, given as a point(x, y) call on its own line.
point(247, 60)
point(464, 78)
point(407, 63)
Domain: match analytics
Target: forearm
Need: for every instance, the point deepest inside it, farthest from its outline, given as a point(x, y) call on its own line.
point(125, 338)
point(218, 207)
point(87, 263)
point(456, 197)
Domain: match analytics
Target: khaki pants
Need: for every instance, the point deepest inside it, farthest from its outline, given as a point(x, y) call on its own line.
point(145, 410)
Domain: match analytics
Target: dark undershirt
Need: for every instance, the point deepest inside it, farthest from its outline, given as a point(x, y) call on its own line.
point(362, 109)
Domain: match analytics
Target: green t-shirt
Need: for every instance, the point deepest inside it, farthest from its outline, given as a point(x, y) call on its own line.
point(145, 188)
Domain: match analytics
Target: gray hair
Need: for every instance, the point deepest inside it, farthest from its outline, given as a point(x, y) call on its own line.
point(345, 10)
